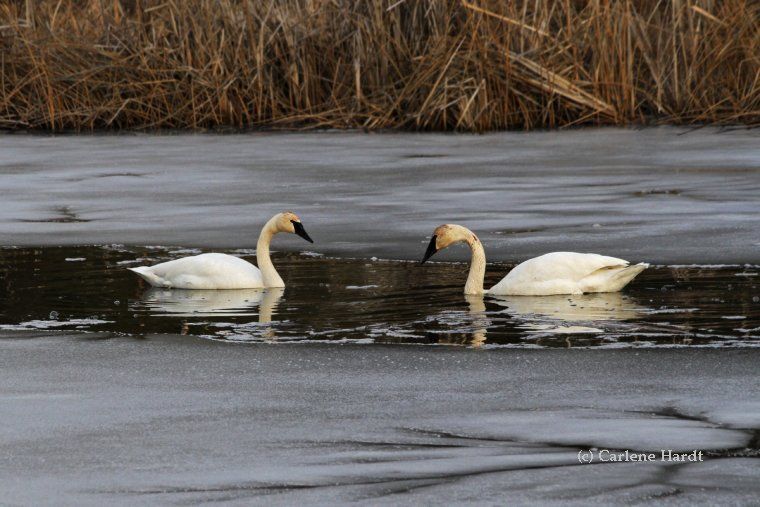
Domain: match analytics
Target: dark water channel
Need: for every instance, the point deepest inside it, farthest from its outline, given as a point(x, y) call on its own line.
point(372, 301)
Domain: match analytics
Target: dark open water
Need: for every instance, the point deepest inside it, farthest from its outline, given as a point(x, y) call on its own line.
point(373, 301)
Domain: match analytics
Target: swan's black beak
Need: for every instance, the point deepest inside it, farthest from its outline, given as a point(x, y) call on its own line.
point(431, 250)
point(299, 230)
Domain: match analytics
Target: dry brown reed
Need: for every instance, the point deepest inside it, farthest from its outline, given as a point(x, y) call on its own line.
point(470, 65)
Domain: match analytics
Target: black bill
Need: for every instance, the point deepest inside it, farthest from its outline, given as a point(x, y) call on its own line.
point(298, 227)
point(431, 250)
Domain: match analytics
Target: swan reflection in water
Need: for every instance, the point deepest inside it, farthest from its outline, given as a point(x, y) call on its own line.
point(550, 313)
point(215, 303)
point(477, 324)
point(480, 320)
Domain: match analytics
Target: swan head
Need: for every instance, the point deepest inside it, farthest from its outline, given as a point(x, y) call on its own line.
point(288, 221)
point(446, 235)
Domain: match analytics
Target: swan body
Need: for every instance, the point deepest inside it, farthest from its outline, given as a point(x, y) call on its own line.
point(204, 271)
point(549, 274)
point(567, 273)
point(222, 271)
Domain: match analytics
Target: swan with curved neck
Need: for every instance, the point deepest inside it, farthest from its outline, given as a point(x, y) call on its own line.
point(222, 271)
point(548, 274)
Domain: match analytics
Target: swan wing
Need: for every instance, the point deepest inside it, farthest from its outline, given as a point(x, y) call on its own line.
point(567, 273)
point(204, 271)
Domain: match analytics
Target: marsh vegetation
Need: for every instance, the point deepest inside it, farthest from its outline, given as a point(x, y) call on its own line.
point(422, 65)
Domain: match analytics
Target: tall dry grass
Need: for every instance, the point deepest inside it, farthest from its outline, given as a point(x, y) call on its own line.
point(470, 65)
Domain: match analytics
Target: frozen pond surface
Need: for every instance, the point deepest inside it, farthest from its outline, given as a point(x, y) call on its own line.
point(114, 394)
point(176, 420)
point(659, 195)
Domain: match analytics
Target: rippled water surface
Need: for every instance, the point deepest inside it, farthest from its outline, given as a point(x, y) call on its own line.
point(373, 301)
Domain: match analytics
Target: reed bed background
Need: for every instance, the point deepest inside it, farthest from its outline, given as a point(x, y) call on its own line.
point(469, 65)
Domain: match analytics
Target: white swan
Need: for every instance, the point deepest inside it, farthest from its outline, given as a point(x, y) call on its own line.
point(549, 274)
point(222, 271)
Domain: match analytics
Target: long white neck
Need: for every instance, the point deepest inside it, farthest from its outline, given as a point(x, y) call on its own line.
point(477, 273)
point(268, 273)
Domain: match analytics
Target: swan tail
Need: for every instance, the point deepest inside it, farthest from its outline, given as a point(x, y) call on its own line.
point(149, 276)
point(624, 276)
point(611, 279)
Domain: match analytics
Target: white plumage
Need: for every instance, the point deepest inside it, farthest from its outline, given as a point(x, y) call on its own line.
point(548, 274)
point(222, 271)
point(204, 271)
point(567, 273)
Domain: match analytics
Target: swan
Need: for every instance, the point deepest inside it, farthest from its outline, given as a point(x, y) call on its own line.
point(546, 275)
point(222, 271)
